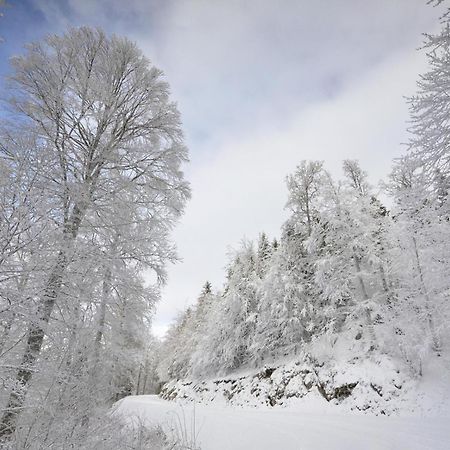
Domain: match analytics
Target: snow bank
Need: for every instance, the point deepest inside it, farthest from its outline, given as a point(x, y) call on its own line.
point(313, 425)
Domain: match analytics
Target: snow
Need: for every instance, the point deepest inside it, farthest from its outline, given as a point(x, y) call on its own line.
point(375, 384)
point(311, 425)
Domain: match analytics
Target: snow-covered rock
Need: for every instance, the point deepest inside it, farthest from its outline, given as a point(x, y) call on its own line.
point(374, 385)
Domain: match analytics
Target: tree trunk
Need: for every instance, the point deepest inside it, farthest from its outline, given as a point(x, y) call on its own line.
point(106, 290)
point(424, 291)
point(36, 330)
point(138, 383)
point(33, 347)
point(383, 279)
point(94, 372)
point(23, 281)
point(362, 286)
point(144, 384)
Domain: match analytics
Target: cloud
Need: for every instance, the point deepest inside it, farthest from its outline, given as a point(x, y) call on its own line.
point(233, 65)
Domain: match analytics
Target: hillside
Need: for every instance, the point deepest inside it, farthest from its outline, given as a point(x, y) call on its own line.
point(350, 381)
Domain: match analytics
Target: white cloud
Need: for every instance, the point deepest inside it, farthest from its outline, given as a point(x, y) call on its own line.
point(234, 64)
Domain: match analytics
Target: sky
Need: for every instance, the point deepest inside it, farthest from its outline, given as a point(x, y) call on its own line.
point(261, 85)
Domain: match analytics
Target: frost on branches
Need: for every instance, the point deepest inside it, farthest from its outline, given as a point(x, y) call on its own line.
point(347, 269)
point(91, 186)
point(367, 282)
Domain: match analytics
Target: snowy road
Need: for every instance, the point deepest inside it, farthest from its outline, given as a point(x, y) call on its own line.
point(231, 428)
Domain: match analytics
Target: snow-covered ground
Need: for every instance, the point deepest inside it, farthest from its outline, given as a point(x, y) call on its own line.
point(309, 425)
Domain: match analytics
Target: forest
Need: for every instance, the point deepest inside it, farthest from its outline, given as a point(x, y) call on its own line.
point(345, 266)
point(91, 187)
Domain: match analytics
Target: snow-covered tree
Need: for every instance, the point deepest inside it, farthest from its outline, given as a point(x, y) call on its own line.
point(420, 254)
point(304, 191)
point(106, 148)
point(239, 310)
point(429, 108)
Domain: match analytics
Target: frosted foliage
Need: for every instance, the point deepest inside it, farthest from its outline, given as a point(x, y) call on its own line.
point(430, 129)
point(91, 186)
point(349, 284)
point(346, 272)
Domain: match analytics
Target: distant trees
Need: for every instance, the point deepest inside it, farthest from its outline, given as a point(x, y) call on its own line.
point(91, 187)
point(344, 268)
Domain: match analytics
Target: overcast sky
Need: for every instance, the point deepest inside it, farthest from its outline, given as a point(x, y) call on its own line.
point(261, 85)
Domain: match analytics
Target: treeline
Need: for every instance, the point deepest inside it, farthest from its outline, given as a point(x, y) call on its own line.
point(344, 266)
point(90, 188)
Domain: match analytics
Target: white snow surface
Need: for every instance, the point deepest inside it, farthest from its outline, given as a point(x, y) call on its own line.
point(308, 425)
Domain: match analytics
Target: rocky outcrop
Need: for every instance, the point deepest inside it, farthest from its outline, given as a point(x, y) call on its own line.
point(368, 386)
